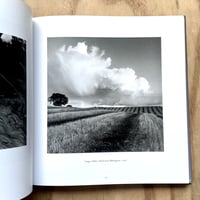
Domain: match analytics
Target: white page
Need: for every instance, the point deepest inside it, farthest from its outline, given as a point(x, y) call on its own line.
point(170, 165)
point(16, 158)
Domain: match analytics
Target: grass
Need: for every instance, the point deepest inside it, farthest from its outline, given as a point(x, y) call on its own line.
point(105, 132)
point(12, 130)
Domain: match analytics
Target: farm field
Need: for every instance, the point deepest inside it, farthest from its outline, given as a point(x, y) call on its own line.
point(105, 129)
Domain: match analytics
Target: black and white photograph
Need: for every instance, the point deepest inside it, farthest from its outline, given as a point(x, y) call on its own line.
point(12, 91)
point(104, 95)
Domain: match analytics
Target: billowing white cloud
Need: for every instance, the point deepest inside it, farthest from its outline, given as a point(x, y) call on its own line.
point(85, 71)
point(6, 38)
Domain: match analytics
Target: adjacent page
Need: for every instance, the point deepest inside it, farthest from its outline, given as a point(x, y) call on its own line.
point(15, 96)
point(110, 100)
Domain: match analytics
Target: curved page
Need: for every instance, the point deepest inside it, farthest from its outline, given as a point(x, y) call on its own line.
point(15, 96)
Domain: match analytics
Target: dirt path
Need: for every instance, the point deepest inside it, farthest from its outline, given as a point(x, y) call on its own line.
point(142, 132)
point(114, 138)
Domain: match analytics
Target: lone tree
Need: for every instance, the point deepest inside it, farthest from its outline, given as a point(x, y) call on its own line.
point(58, 99)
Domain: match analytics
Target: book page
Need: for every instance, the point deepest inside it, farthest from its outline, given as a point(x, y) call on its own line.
point(105, 91)
point(15, 99)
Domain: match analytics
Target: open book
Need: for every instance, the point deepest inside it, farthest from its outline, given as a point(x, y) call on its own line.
point(91, 100)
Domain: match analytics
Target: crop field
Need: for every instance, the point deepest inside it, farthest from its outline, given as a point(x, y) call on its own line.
point(56, 118)
point(105, 129)
point(156, 110)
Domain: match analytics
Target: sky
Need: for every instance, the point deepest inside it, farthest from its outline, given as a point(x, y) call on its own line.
point(105, 71)
point(6, 38)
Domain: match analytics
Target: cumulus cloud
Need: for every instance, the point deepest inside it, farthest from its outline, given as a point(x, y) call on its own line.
point(6, 38)
point(86, 71)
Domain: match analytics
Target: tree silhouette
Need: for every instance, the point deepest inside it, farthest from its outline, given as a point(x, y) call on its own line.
point(58, 99)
